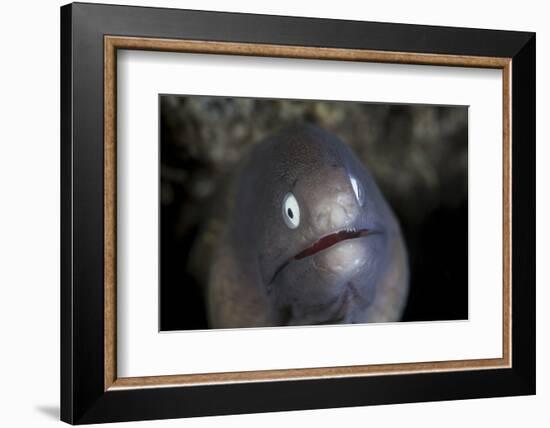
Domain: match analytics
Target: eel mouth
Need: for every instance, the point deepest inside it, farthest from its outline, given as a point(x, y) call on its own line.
point(324, 243)
point(330, 240)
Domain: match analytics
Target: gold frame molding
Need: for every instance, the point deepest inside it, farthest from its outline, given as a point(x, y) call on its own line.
point(113, 43)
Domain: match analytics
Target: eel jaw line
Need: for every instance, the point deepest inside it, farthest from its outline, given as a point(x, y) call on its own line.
point(330, 240)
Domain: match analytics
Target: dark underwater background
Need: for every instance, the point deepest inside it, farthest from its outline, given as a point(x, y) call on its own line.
point(417, 153)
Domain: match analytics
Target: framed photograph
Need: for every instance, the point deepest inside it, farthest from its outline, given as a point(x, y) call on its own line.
point(266, 213)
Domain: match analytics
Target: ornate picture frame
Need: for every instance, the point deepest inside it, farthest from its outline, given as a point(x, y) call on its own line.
point(91, 390)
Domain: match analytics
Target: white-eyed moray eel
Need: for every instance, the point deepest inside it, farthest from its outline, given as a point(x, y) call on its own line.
point(301, 235)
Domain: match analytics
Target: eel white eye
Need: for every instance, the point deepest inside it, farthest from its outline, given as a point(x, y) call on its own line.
point(291, 211)
point(357, 189)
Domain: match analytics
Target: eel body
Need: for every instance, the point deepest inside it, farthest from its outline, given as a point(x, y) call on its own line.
point(301, 235)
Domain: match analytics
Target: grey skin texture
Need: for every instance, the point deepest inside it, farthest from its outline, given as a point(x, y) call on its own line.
point(261, 272)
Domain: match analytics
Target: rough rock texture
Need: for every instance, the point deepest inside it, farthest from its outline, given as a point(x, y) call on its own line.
point(417, 153)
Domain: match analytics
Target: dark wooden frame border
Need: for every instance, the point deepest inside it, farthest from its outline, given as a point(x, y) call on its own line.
point(91, 391)
point(114, 43)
